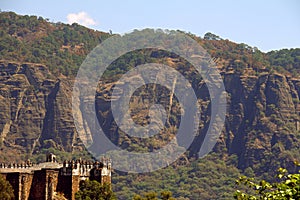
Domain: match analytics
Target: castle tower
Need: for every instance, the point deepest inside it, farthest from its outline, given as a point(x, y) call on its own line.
point(106, 171)
point(51, 158)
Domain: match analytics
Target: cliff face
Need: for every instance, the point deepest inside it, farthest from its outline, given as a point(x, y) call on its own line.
point(263, 114)
point(35, 110)
point(262, 122)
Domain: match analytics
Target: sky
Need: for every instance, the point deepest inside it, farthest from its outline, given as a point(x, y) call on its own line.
point(266, 24)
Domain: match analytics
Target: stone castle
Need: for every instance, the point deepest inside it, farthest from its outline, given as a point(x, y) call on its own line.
point(52, 180)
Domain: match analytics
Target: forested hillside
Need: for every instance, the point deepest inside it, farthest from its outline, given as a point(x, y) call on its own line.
point(33, 39)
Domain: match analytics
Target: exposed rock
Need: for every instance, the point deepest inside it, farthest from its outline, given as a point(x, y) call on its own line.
point(35, 108)
point(260, 109)
point(35, 112)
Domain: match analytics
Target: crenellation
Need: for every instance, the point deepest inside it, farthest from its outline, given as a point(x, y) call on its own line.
point(16, 165)
point(42, 181)
point(83, 168)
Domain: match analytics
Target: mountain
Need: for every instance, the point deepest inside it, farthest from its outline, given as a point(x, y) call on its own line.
point(39, 61)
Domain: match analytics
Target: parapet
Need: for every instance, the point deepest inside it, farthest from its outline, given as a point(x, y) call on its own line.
point(84, 169)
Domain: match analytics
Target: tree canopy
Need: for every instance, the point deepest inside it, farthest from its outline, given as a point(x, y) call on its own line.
point(93, 190)
point(286, 188)
point(164, 195)
point(6, 190)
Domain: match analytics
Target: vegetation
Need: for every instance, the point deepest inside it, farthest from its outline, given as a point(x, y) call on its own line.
point(6, 190)
point(93, 190)
point(63, 47)
point(208, 178)
point(287, 187)
point(33, 39)
point(164, 195)
point(285, 60)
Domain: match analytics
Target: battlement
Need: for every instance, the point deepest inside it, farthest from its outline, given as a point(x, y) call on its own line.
point(87, 168)
point(44, 180)
point(15, 166)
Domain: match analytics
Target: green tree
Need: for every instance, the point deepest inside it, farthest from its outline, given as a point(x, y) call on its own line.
point(93, 190)
point(6, 190)
point(288, 187)
point(165, 195)
point(211, 36)
point(147, 196)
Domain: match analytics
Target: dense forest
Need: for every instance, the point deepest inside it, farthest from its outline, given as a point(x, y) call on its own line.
point(63, 47)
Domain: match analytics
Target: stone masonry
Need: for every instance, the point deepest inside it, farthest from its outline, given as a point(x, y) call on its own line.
point(52, 180)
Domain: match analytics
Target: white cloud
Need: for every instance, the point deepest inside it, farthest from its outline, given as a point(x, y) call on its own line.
point(81, 18)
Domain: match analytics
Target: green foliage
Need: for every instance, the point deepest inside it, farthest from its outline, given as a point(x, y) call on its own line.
point(63, 47)
point(288, 187)
point(211, 36)
point(242, 56)
point(207, 178)
point(164, 195)
point(59, 46)
point(93, 190)
point(286, 60)
point(147, 196)
point(6, 190)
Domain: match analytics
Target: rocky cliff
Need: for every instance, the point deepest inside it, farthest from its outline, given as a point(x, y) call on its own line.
point(262, 126)
point(263, 114)
point(35, 110)
point(262, 118)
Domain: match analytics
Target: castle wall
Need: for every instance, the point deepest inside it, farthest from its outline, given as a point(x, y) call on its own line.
point(13, 179)
point(51, 183)
point(37, 190)
point(26, 183)
point(75, 185)
point(64, 185)
point(105, 179)
point(44, 181)
point(21, 183)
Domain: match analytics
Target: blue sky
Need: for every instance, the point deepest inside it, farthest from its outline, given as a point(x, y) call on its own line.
point(268, 25)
